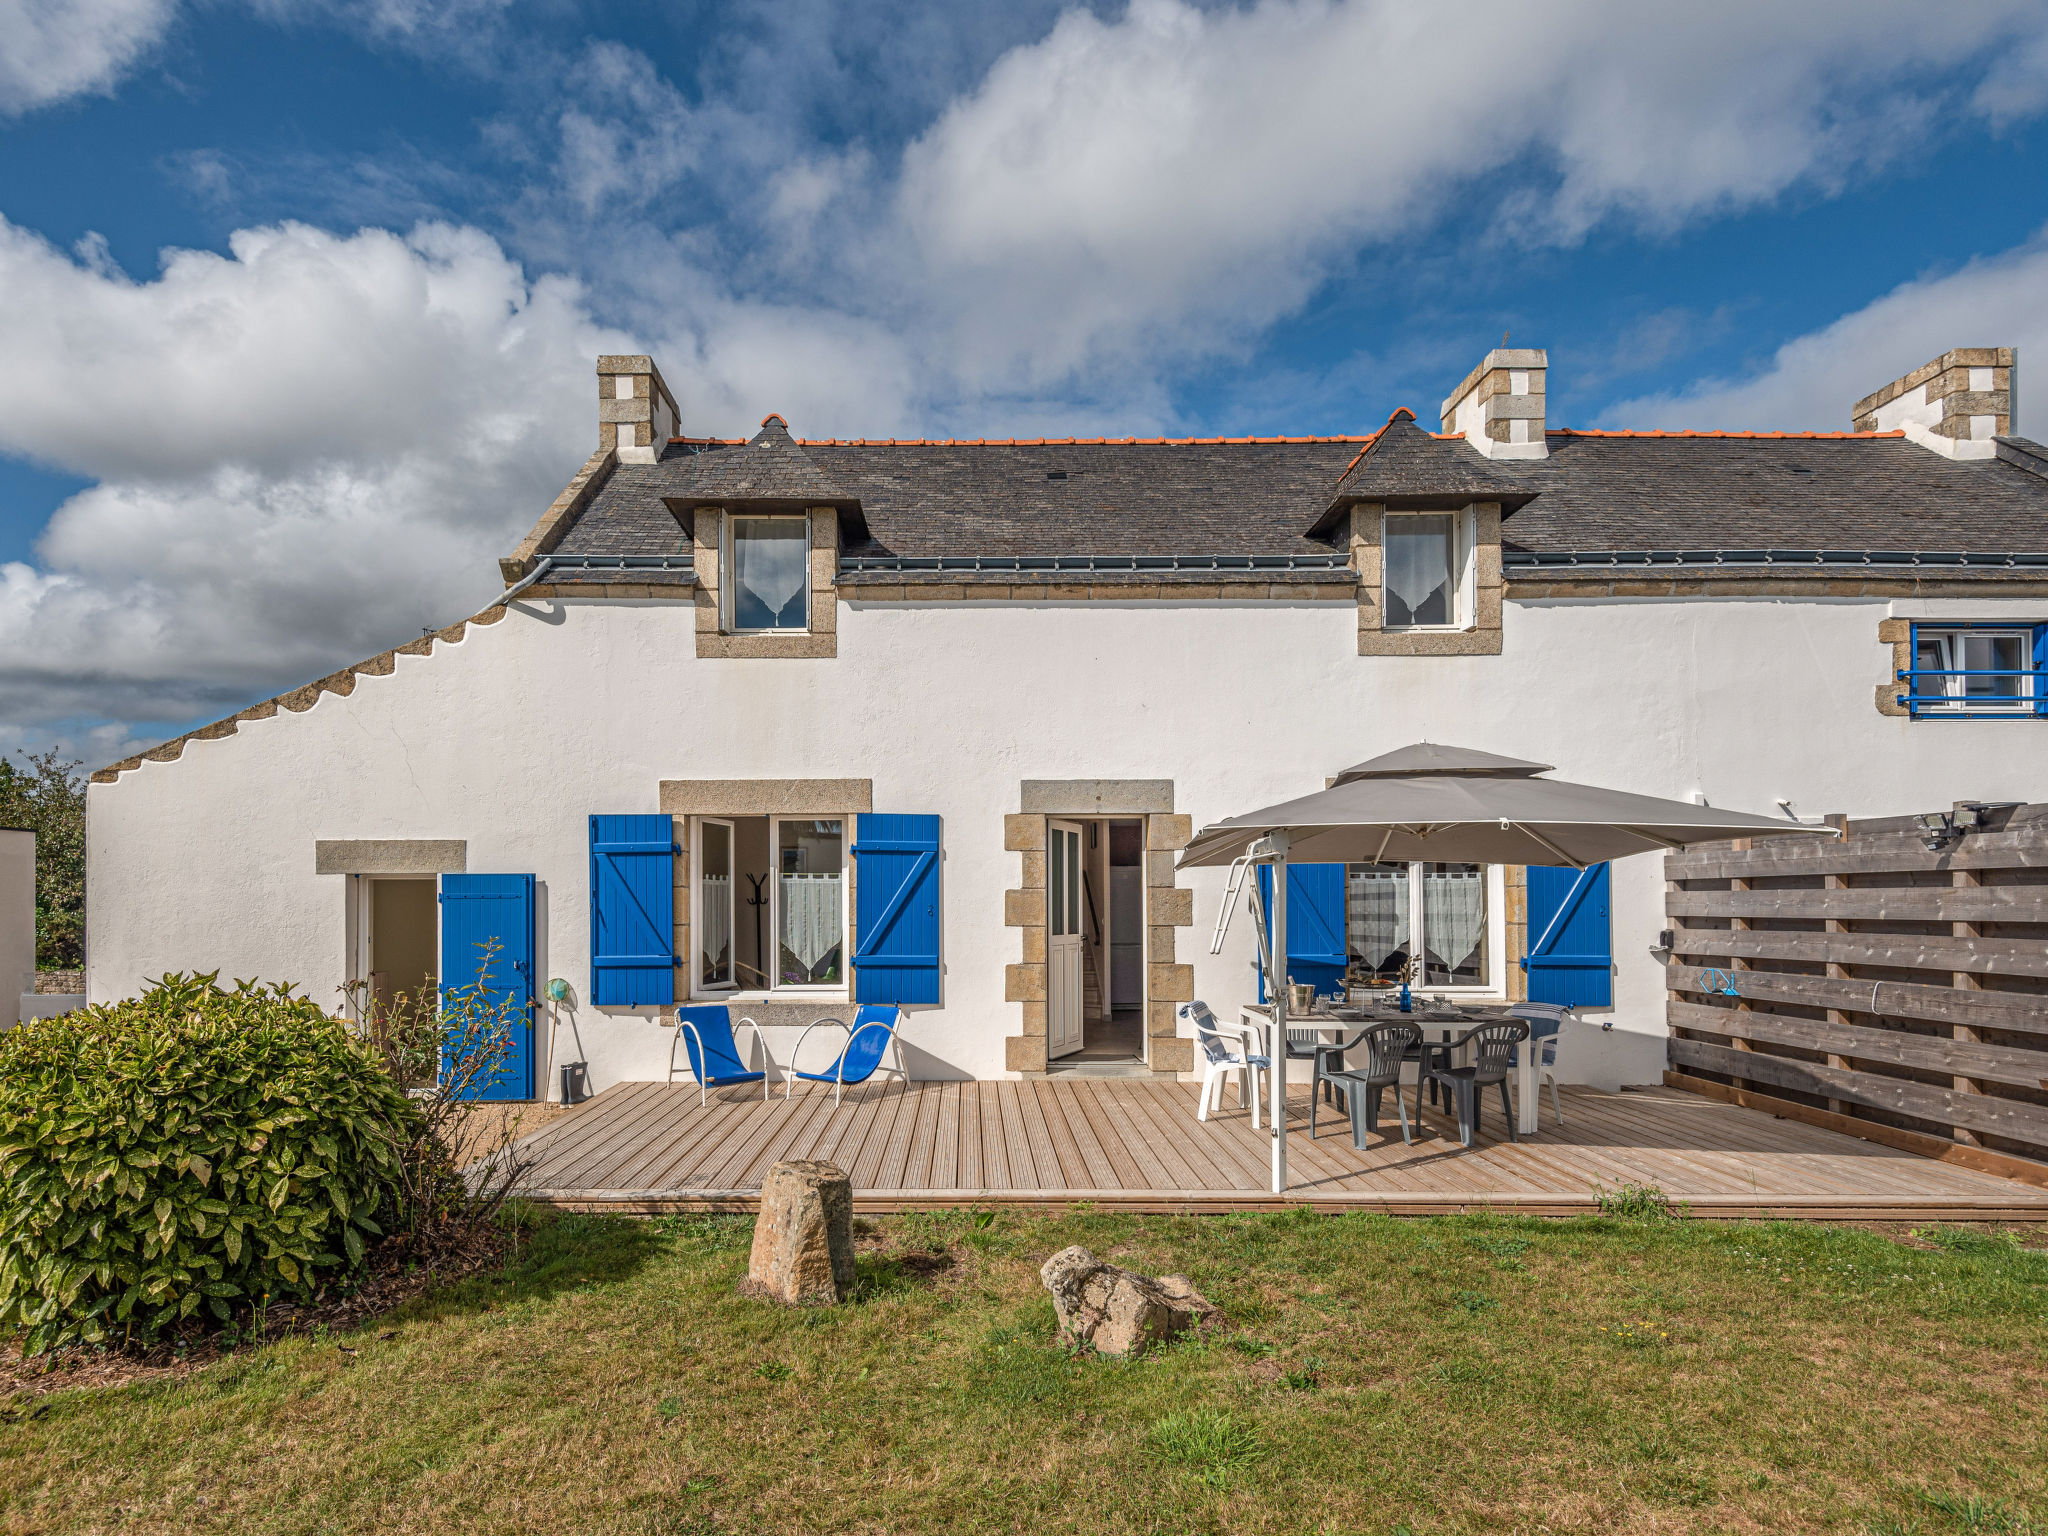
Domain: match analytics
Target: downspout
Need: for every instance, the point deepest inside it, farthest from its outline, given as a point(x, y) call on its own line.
point(526, 581)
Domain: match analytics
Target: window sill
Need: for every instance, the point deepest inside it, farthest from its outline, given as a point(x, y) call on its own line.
point(784, 645)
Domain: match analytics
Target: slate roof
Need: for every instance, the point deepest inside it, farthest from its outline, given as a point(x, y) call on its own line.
point(1269, 498)
point(1405, 465)
point(1599, 491)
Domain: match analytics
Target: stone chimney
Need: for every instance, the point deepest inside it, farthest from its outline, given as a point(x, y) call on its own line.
point(635, 412)
point(1499, 407)
point(1955, 405)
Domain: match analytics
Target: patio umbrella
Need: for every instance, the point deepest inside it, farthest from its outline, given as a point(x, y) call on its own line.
point(1450, 805)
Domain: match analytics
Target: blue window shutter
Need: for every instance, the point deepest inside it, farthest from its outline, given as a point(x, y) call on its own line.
point(1571, 943)
point(1316, 953)
point(896, 917)
point(632, 911)
point(478, 911)
point(2041, 669)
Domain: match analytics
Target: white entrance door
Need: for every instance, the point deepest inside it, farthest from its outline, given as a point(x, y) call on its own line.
point(1062, 939)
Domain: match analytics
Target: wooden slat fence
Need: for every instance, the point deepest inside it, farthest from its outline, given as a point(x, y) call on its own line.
point(1873, 984)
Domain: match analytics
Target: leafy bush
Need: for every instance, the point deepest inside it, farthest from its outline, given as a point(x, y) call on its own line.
point(188, 1148)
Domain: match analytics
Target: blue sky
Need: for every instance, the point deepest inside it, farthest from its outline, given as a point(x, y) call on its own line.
point(298, 298)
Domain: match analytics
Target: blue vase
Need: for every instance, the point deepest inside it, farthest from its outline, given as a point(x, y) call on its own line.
point(1407, 1003)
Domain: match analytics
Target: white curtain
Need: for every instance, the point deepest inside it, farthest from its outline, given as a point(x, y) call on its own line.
point(1377, 914)
point(1454, 915)
point(809, 917)
point(714, 926)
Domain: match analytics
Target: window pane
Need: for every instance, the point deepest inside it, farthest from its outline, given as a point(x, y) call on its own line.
point(1418, 571)
point(1074, 915)
point(1993, 653)
point(1931, 655)
point(1056, 886)
point(1454, 925)
point(810, 903)
point(714, 905)
point(1376, 917)
point(771, 559)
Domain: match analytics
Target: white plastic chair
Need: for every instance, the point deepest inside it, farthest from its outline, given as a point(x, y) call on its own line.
point(1226, 1049)
point(1542, 1016)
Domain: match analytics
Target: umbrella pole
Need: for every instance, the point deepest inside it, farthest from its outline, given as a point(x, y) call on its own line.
point(1276, 963)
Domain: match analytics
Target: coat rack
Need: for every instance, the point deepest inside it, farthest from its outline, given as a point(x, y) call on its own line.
point(757, 901)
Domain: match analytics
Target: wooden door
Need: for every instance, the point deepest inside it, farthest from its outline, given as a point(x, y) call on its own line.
point(1063, 939)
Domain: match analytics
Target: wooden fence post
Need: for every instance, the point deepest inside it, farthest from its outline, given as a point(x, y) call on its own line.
point(1836, 969)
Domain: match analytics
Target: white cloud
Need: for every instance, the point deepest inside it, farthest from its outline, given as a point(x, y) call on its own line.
point(51, 49)
point(1997, 301)
point(1189, 174)
point(310, 448)
point(305, 451)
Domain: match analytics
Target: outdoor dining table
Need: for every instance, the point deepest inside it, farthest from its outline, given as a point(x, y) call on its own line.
point(1446, 1021)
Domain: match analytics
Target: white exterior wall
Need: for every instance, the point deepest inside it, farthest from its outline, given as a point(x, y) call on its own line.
point(17, 922)
point(511, 737)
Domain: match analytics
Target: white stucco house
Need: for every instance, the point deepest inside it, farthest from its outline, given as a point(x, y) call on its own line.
point(795, 723)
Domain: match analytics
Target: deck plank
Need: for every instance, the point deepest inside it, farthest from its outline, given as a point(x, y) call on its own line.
point(969, 1169)
point(1135, 1143)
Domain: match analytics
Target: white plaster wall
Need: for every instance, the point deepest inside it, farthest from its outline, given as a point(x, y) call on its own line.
point(510, 738)
point(17, 922)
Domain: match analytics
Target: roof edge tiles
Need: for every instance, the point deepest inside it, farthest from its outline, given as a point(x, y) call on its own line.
point(1065, 442)
point(1688, 432)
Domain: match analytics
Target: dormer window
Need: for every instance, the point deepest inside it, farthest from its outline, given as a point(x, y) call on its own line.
point(1425, 578)
point(770, 590)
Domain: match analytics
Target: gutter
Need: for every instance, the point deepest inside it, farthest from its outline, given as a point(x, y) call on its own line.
point(1827, 559)
point(546, 564)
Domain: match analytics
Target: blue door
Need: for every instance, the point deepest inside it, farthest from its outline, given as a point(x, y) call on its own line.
point(487, 980)
point(1571, 946)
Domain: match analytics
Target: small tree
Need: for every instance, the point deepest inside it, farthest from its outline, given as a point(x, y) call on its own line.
point(446, 1046)
point(48, 798)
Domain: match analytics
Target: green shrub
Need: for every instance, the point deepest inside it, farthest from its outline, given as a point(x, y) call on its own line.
point(188, 1148)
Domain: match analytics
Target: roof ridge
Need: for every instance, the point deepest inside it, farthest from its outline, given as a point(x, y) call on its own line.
point(1689, 432)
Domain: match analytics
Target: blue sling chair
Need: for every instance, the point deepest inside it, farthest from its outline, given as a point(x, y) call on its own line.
point(715, 1060)
point(873, 1032)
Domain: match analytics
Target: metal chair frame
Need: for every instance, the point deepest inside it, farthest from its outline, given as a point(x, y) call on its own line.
point(705, 1084)
point(836, 1073)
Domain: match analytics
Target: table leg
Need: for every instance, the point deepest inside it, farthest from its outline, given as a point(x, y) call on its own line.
point(1526, 1079)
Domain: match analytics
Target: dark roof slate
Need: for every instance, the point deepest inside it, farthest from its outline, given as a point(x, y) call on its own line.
point(771, 467)
point(1404, 465)
point(1595, 492)
point(1600, 492)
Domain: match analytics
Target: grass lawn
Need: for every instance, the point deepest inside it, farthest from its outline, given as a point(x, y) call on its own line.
point(1449, 1375)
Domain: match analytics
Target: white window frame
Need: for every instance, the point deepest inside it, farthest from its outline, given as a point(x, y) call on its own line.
point(728, 585)
point(839, 991)
point(698, 986)
point(1496, 930)
point(1464, 568)
point(1950, 637)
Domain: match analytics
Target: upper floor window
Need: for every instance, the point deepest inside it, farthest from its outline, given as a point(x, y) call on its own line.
point(770, 562)
point(1424, 576)
point(1974, 670)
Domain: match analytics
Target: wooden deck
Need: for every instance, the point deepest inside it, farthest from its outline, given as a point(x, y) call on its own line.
point(1133, 1144)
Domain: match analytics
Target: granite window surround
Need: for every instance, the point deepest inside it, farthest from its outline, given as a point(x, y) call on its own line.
point(715, 634)
point(1476, 630)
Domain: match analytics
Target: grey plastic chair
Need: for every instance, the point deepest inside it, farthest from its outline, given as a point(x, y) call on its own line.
point(1493, 1057)
point(1387, 1047)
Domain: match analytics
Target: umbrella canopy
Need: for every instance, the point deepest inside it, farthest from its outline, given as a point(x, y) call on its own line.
point(1456, 806)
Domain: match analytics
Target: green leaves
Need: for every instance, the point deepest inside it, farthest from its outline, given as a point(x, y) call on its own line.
point(177, 1150)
